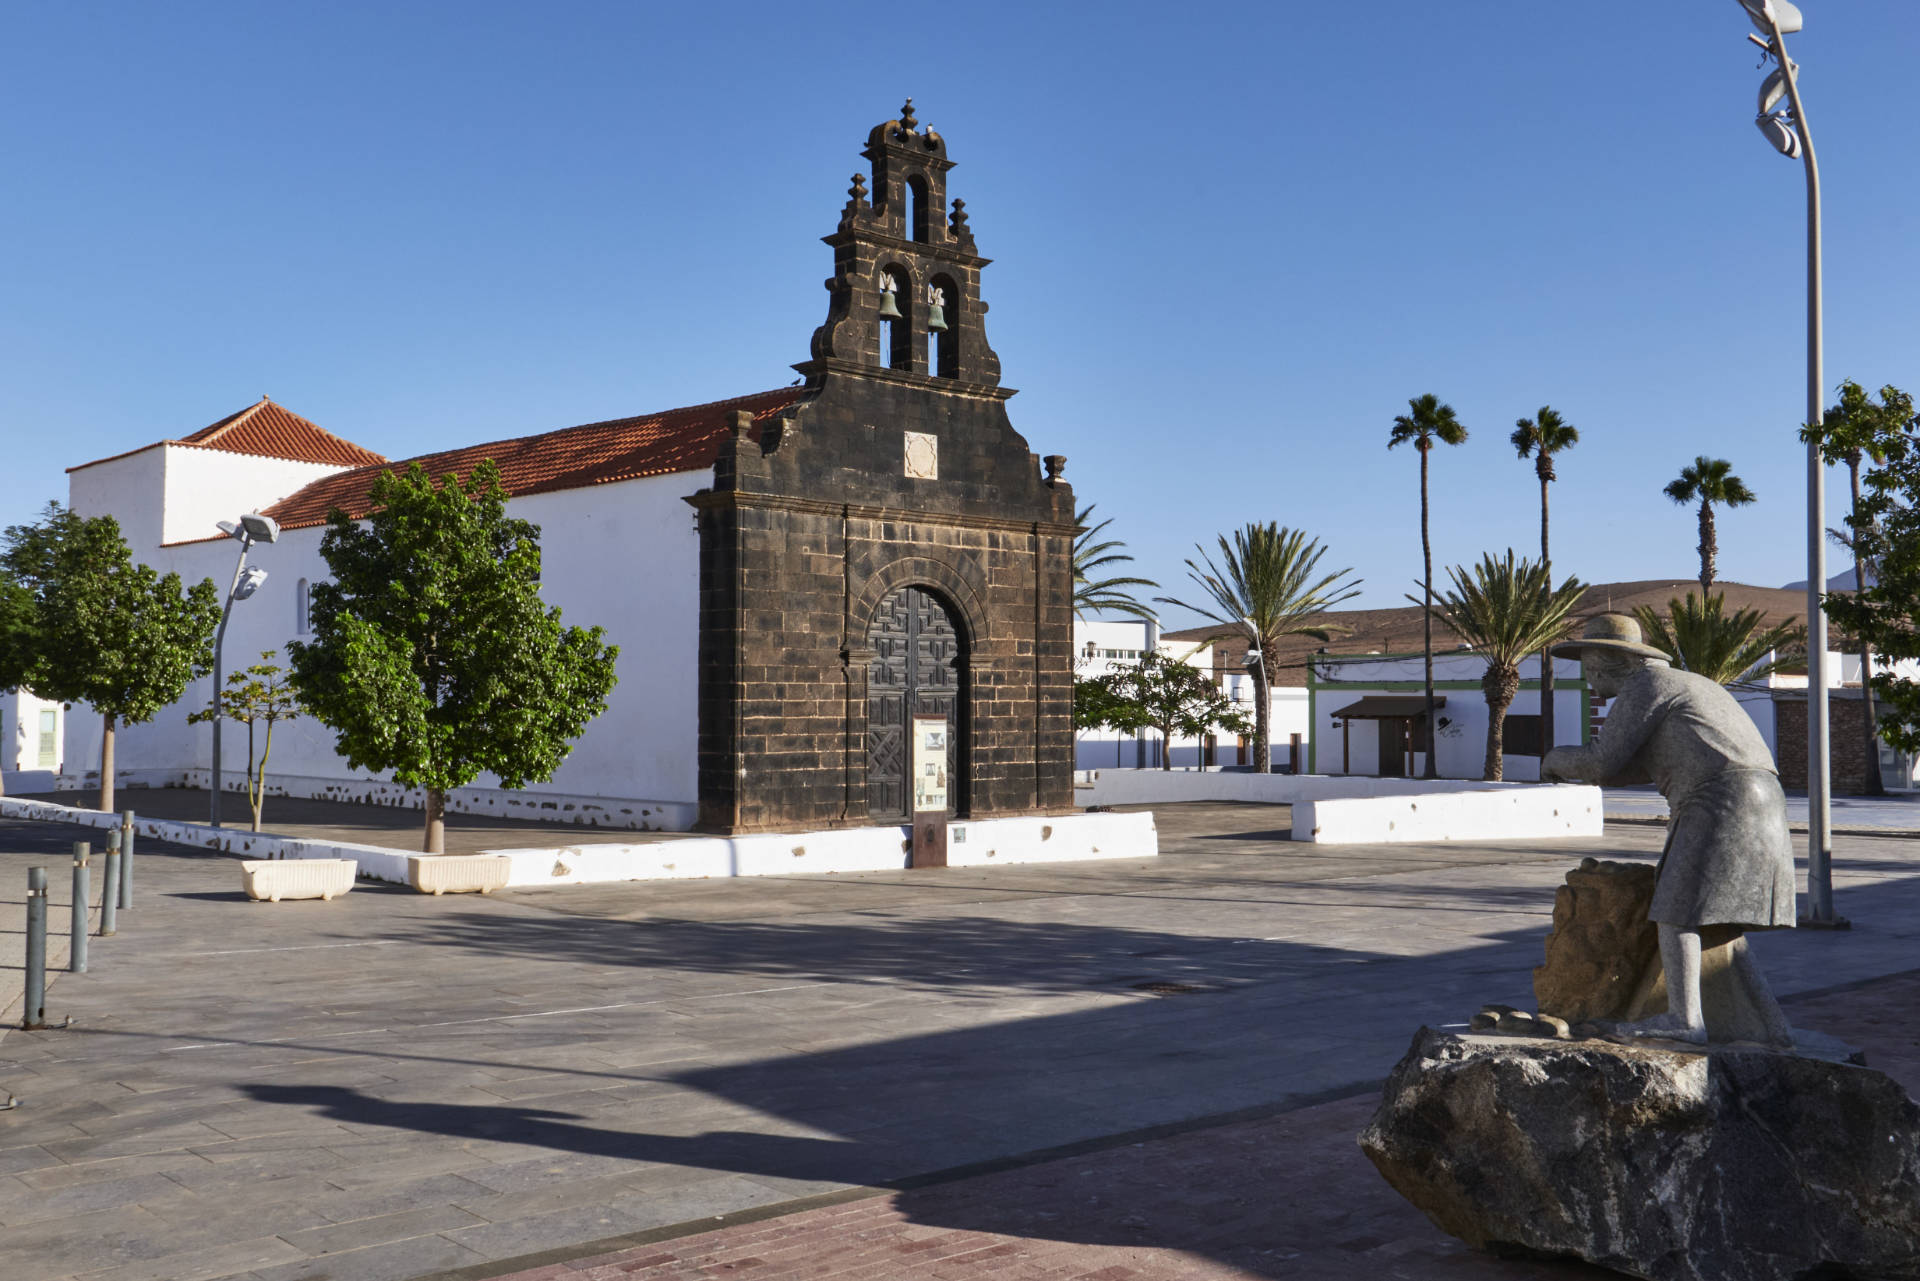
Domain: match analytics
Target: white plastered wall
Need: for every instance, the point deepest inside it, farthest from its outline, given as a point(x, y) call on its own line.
point(21, 715)
point(623, 556)
point(1463, 738)
point(208, 485)
point(132, 489)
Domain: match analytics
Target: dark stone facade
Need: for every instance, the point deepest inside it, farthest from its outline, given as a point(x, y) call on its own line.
point(1846, 740)
point(887, 546)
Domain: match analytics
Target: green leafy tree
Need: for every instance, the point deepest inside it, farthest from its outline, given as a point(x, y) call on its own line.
point(1885, 526)
point(1267, 586)
point(1725, 648)
point(1429, 420)
point(1506, 609)
point(1708, 481)
point(16, 635)
point(1854, 431)
point(258, 696)
point(1090, 594)
point(1164, 694)
point(1098, 705)
point(101, 629)
point(1542, 436)
point(432, 655)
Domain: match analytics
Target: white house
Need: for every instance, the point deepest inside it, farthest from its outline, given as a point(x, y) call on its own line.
point(32, 733)
point(1102, 645)
point(1368, 712)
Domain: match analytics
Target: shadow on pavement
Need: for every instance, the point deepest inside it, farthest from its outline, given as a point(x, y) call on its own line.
point(950, 953)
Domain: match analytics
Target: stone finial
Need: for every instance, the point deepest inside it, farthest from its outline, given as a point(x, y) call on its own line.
point(740, 423)
point(1056, 464)
point(857, 193)
point(958, 222)
point(907, 122)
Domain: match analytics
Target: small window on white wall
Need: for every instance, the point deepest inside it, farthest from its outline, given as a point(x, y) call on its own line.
point(300, 608)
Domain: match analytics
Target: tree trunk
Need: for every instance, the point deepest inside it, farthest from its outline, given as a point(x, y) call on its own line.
point(1262, 713)
point(436, 838)
point(257, 784)
point(1709, 549)
point(1546, 655)
point(1869, 723)
point(1426, 614)
point(106, 762)
point(1499, 684)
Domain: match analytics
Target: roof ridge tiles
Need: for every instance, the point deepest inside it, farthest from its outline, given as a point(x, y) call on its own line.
point(265, 429)
point(685, 438)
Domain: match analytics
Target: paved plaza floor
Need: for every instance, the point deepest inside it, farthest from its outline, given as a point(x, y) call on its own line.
point(391, 1085)
point(1894, 813)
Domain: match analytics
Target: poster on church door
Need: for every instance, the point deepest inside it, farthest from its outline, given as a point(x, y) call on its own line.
point(929, 764)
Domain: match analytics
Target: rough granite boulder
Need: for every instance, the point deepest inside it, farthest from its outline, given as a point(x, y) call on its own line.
point(1731, 1163)
point(1602, 942)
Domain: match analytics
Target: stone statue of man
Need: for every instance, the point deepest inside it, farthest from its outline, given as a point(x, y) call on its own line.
point(1728, 863)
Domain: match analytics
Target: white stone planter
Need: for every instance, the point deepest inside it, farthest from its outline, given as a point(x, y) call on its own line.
point(457, 873)
point(276, 879)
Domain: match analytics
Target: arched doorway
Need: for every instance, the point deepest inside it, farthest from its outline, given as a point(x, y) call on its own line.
point(916, 672)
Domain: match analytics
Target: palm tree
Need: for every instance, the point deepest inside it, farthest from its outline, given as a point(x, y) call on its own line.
point(1708, 481)
point(1506, 609)
point(1430, 420)
point(1543, 436)
point(1091, 595)
point(1706, 640)
point(1267, 588)
point(1853, 431)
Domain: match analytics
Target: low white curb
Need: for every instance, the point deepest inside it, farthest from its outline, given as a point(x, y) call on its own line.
point(1532, 812)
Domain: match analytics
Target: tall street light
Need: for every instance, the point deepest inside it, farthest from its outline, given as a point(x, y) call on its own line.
point(246, 581)
point(1786, 128)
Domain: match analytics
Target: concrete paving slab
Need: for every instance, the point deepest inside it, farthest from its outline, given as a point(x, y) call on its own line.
point(688, 1049)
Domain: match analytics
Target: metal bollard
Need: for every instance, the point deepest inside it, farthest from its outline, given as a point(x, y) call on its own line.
point(110, 888)
point(35, 1012)
point(126, 858)
point(77, 950)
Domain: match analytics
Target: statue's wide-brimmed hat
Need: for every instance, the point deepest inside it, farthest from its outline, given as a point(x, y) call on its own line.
point(1610, 631)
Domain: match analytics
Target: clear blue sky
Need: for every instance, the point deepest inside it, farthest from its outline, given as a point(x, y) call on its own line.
point(1230, 240)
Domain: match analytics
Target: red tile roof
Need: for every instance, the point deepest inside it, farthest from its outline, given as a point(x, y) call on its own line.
point(269, 431)
point(572, 458)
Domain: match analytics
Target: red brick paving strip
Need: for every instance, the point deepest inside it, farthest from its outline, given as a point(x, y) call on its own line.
point(1284, 1196)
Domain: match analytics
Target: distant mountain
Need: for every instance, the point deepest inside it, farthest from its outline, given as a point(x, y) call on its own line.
point(1841, 582)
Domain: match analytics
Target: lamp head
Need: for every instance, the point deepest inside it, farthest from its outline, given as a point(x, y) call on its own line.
point(261, 529)
point(1772, 89)
point(1784, 137)
point(1766, 12)
point(249, 583)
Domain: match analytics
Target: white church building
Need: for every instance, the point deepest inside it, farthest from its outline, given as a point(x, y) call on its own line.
point(634, 767)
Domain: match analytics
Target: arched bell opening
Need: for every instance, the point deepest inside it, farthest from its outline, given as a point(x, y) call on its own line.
point(896, 318)
point(920, 211)
point(943, 327)
point(918, 676)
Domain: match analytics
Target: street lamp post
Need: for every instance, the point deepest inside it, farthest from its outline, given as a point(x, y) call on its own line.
point(1788, 132)
point(246, 581)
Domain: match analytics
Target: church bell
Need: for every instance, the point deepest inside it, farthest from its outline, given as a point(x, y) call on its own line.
point(936, 312)
point(889, 309)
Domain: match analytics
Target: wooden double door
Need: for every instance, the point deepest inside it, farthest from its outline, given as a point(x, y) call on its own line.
point(916, 672)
